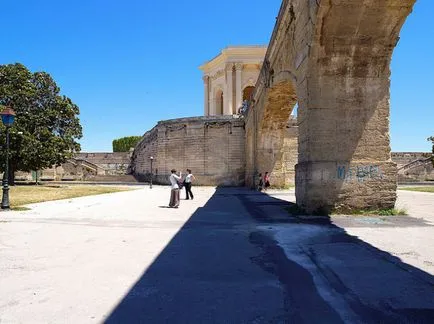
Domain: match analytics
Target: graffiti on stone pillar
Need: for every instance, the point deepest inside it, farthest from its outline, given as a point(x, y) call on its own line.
point(359, 173)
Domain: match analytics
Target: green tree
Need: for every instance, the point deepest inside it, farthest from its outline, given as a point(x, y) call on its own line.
point(46, 127)
point(432, 140)
point(124, 144)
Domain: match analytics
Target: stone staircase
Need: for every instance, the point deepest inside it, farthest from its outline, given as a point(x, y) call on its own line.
point(418, 170)
point(86, 164)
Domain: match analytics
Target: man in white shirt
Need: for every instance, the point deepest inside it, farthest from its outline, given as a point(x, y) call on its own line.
point(174, 192)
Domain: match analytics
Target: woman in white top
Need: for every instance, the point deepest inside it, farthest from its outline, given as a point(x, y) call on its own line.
point(174, 192)
point(187, 183)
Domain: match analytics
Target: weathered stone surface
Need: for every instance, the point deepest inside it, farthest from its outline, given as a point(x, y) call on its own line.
point(228, 78)
point(212, 147)
point(85, 166)
point(345, 186)
point(333, 58)
point(414, 166)
point(271, 150)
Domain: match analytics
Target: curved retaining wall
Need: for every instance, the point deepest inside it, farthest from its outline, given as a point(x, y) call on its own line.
point(213, 147)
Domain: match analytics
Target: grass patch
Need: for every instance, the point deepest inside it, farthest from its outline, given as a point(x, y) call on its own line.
point(419, 189)
point(20, 208)
point(23, 195)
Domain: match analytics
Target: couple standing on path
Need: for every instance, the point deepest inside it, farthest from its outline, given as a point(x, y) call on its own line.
point(176, 184)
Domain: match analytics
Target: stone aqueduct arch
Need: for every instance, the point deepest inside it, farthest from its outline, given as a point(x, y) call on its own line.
point(333, 58)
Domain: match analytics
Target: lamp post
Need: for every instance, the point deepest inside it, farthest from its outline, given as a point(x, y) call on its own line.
point(150, 183)
point(8, 118)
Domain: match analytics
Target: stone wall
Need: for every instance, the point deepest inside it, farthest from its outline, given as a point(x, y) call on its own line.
point(418, 171)
point(213, 147)
point(403, 158)
point(414, 166)
point(332, 58)
point(85, 166)
point(275, 153)
point(115, 163)
point(206, 145)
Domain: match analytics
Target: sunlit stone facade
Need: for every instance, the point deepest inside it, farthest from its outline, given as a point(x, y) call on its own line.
point(230, 78)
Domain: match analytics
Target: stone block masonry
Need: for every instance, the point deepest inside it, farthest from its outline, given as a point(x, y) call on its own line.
point(213, 147)
point(333, 59)
point(85, 166)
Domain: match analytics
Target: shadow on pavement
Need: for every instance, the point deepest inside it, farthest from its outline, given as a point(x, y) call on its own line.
point(242, 259)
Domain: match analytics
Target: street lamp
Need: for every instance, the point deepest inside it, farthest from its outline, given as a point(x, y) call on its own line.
point(150, 183)
point(8, 118)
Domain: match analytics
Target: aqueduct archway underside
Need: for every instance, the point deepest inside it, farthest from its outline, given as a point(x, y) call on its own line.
point(333, 58)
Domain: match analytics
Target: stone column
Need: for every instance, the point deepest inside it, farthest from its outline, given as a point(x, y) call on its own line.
point(343, 94)
point(238, 90)
point(228, 97)
point(206, 95)
point(344, 160)
point(211, 98)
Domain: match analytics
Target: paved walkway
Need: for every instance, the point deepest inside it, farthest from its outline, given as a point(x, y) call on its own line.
point(228, 256)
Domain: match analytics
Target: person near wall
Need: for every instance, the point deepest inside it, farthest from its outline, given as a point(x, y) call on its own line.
point(244, 107)
point(266, 181)
point(261, 182)
point(187, 183)
point(174, 191)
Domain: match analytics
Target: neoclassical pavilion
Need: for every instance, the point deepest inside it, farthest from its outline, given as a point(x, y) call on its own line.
point(230, 78)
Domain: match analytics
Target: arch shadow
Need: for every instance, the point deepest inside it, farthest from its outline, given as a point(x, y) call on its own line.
point(228, 265)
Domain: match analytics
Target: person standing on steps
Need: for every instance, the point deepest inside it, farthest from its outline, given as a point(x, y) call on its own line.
point(174, 191)
point(187, 183)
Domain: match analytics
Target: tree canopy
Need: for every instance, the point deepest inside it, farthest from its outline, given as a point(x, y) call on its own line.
point(124, 144)
point(46, 127)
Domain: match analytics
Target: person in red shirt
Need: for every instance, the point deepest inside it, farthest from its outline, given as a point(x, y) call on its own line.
point(266, 181)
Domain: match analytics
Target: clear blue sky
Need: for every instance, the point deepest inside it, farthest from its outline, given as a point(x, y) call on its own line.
point(128, 64)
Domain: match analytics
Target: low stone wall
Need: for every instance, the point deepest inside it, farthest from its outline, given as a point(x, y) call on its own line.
point(113, 163)
point(418, 173)
point(414, 166)
point(84, 166)
point(213, 147)
point(403, 158)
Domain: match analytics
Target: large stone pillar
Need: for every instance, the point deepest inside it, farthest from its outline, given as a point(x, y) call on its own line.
point(206, 95)
point(343, 90)
point(228, 94)
point(344, 147)
point(238, 90)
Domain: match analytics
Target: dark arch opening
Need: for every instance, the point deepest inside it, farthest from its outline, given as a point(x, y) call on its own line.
point(248, 93)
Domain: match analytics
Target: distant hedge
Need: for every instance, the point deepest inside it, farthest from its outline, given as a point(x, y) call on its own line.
point(124, 144)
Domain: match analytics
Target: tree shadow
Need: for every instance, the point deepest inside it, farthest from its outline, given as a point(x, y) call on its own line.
point(241, 258)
